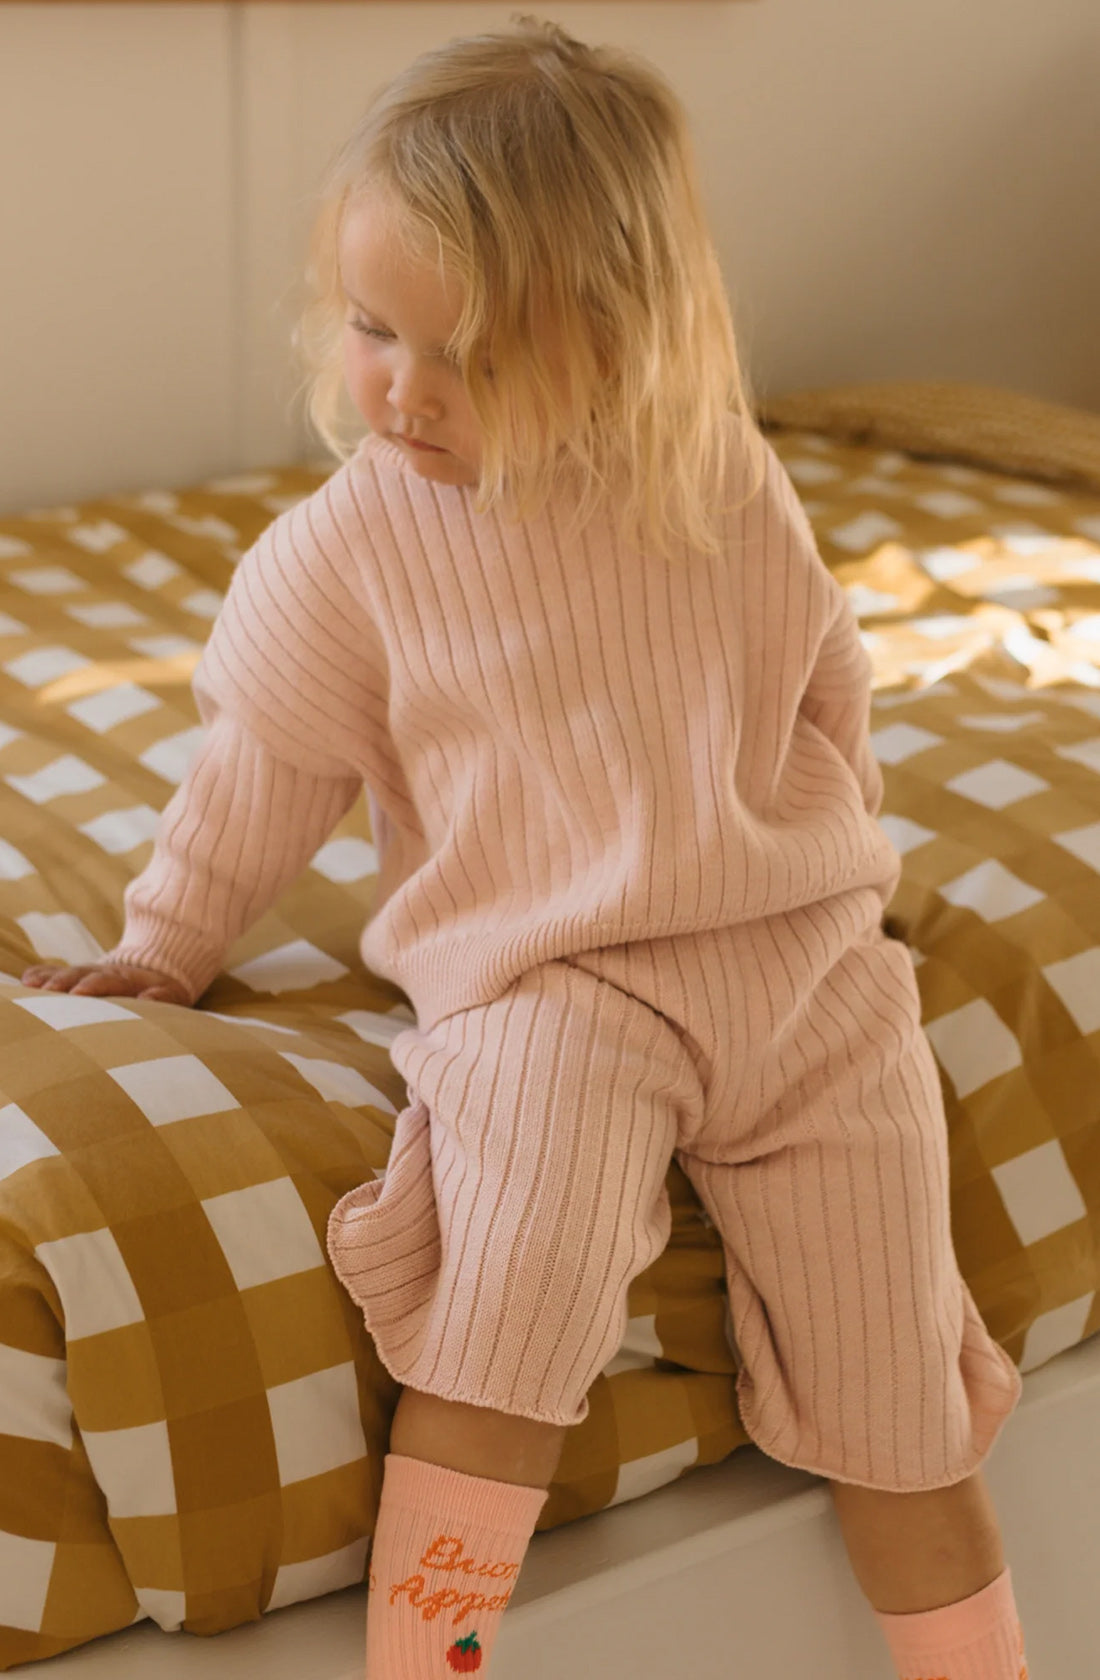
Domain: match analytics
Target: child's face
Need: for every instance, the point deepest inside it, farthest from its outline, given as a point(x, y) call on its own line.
point(396, 374)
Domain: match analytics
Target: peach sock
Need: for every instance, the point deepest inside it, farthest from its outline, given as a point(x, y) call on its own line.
point(446, 1553)
point(979, 1638)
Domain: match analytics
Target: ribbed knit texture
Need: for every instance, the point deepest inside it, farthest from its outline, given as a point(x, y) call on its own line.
point(979, 1638)
point(783, 1061)
point(563, 746)
point(446, 1552)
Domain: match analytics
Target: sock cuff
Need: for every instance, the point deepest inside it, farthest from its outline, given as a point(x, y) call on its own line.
point(952, 1625)
point(504, 1507)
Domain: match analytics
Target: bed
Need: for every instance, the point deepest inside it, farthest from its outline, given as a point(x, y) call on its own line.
point(193, 1420)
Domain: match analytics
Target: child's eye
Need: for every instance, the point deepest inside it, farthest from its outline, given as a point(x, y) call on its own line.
point(371, 332)
point(376, 332)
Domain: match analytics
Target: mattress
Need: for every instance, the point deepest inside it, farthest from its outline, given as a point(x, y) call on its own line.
point(193, 1420)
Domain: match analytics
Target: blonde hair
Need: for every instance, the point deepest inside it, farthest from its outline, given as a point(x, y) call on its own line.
point(559, 183)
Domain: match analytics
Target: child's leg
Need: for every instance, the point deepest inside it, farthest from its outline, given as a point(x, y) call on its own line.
point(546, 1120)
point(918, 1551)
point(475, 1440)
point(932, 1567)
point(462, 1493)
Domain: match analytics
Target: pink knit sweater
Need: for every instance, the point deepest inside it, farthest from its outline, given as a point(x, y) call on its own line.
point(562, 747)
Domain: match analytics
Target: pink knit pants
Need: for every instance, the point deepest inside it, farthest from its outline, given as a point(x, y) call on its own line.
point(782, 1062)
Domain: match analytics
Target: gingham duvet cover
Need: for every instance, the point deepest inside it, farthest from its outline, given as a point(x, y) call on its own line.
point(192, 1417)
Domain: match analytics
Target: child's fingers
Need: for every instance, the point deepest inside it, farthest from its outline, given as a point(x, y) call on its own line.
point(54, 979)
point(95, 981)
point(99, 981)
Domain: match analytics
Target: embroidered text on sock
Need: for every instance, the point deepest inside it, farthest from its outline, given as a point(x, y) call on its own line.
point(446, 1553)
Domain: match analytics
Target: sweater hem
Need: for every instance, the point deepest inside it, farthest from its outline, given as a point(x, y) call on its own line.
point(479, 970)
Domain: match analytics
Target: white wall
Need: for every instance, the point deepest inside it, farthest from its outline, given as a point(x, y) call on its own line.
point(897, 189)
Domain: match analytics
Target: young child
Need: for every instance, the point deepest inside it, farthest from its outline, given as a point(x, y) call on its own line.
point(561, 613)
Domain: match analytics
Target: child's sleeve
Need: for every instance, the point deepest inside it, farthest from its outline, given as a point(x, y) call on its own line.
point(837, 696)
point(292, 690)
point(240, 828)
point(837, 699)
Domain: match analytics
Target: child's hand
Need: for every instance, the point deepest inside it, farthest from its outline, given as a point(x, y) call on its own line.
point(108, 980)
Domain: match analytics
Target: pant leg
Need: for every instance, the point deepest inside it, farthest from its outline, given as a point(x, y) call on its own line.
point(863, 1355)
point(525, 1189)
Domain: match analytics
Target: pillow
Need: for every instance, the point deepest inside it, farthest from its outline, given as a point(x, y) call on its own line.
point(982, 424)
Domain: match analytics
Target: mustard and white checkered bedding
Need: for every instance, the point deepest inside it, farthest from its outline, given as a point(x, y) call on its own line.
point(192, 1417)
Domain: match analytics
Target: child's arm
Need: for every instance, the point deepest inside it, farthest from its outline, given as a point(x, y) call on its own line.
point(240, 828)
point(837, 699)
point(837, 696)
point(291, 689)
